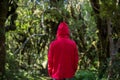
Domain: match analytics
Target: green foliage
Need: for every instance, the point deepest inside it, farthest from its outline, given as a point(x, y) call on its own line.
point(107, 8)
point(29, 53)
point(26, 45)
point(116, 67)
point(18, 69)
point(85, 75)
point(37, 24)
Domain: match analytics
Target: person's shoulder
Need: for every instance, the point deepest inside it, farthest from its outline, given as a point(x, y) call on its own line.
point(73, 42)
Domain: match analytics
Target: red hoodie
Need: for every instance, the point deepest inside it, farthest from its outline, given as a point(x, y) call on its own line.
point(62, 54)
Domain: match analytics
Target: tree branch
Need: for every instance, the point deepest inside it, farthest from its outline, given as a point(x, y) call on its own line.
point(23, 45)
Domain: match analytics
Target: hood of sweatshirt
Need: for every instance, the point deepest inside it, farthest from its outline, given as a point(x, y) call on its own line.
point(63, 30)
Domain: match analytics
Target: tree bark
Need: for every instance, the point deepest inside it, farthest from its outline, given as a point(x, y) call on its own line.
point(3, 14)
point(103, 38)
point(111, 49)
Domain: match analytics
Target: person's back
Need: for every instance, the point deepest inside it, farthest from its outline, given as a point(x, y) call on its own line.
point(62, 55)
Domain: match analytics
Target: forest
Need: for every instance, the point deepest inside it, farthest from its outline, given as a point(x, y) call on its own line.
point(28, 26)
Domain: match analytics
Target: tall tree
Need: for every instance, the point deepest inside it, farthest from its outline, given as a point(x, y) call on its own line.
point(7, 8)
point(3, 15)
point(106, 24)
point(101, 25)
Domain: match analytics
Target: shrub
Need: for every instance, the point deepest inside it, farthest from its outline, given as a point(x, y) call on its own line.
point(85, 75)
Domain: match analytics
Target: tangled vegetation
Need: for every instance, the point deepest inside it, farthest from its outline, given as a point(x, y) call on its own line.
point(28, 26)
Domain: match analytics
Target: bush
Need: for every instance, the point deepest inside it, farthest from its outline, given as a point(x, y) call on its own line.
point(85, 75)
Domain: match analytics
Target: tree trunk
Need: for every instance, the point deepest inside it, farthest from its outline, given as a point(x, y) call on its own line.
point(114, 45)
point(3, 14)
point(111, 49)
point(103, 38)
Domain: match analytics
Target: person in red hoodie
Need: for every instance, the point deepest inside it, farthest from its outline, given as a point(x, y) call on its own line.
point(62, 55)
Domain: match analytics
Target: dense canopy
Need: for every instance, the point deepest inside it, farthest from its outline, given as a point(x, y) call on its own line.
point(28, 26)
